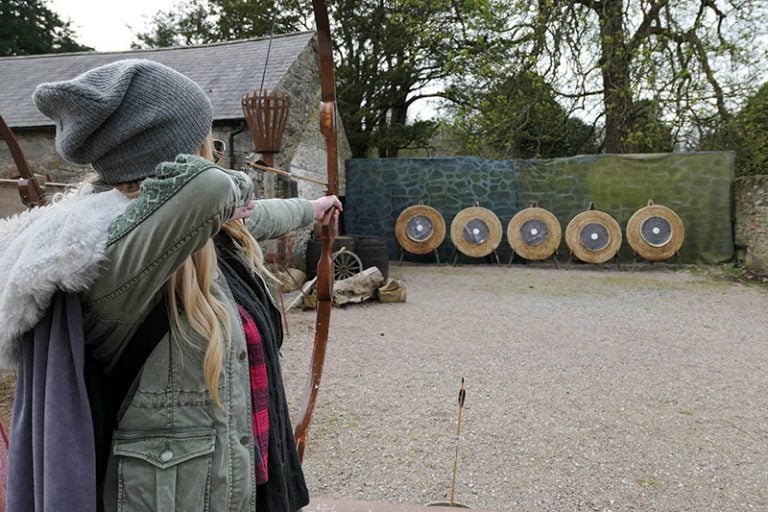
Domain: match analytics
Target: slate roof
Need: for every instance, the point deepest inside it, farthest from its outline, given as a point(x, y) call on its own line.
point(223, 70)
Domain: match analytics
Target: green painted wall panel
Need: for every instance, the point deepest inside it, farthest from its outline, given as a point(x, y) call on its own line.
point(697, 186)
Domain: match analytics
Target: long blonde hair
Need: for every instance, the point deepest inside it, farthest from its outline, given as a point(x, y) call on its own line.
point(191, 288)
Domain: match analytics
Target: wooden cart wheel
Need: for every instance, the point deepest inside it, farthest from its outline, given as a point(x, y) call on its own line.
point(346, 264)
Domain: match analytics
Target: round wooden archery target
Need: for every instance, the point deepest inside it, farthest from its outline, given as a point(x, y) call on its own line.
point(655, 232)
point(420, 229)
point(593, 236)
point(534, 233)
point(476, 231)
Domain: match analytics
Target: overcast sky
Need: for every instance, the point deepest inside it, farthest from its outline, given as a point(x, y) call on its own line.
point(103, 25)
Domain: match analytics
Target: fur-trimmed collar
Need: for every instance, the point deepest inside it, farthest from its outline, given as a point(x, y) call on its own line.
point(59, 246)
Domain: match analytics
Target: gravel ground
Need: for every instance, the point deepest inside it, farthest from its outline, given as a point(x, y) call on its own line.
point(586, 390)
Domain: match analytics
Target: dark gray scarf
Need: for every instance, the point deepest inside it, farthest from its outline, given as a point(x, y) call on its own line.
point(285, 489)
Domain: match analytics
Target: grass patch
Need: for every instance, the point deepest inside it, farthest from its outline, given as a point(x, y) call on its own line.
point(334, 422)
point(732, 274)
point(648, 482)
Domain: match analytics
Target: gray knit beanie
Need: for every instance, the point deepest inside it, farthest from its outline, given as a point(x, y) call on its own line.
point(126, 117)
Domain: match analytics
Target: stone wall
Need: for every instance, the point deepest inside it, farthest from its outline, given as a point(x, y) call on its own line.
point(697, 186)
point(40, 152)
point(10, 202)
point(41, 155)
point(751, 222)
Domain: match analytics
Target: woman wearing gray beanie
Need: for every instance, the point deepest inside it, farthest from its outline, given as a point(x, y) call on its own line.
point(181, 331)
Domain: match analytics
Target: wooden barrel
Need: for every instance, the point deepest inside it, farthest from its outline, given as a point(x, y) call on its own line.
point(315, 248)
point(373, 252)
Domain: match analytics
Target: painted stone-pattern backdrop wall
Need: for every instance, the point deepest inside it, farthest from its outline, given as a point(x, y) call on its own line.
point(697, 186)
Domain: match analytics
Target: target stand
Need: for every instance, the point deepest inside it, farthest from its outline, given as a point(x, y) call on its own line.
point(476, 232)
point(420, 230)
point(534, 234)
point(655, 233)
point(593, 237)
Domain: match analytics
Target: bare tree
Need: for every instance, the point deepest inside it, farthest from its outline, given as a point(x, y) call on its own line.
point(695, 59)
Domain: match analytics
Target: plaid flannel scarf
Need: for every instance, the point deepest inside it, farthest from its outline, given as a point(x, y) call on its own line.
point(259, 393)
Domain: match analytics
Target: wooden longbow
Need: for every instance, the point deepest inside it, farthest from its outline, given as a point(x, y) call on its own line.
point(324, 284)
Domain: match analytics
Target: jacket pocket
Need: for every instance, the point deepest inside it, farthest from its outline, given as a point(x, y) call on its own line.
point(164, 470)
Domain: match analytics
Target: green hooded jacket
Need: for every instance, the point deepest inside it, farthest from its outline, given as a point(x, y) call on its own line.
point(174, 449)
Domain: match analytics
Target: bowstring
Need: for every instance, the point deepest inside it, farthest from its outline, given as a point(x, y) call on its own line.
point(266, 60)
point(269, 50)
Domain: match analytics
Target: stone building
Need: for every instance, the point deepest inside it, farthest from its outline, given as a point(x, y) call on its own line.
point(286, 63)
